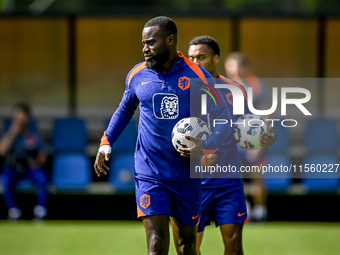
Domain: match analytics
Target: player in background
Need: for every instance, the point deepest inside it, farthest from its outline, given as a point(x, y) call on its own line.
point(237, 66)
point(161, 87)
point(223, 199)
point(24, 154)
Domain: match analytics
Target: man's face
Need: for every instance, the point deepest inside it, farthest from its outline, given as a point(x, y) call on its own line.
point(156, 51)
point(204, 56)
point(231, 67)
point(20, 116)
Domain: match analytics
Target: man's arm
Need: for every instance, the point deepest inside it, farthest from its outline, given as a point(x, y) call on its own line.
point(6, 142)
point(219, 133)
point(118, 122)
point(41, 158)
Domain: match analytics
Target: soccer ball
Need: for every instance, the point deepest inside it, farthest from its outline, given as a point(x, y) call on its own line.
point(247, 131)
point(192, 126)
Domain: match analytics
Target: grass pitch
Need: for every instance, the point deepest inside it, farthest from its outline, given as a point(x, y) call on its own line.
point(125, 238)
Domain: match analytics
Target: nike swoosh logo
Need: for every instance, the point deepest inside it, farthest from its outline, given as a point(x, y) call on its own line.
point(194, 217)
point(241, 214)
point(145, 82)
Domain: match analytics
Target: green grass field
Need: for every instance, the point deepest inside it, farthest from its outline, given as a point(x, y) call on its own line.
point(121, 238)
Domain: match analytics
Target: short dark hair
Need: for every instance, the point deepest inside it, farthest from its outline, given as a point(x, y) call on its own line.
point(163, 22)
point(24, 107)
point(206, 39)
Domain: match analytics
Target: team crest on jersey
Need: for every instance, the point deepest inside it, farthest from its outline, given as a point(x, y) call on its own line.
point(145, 201)
point(184, 83)
point(165, 106)
point(229, 98)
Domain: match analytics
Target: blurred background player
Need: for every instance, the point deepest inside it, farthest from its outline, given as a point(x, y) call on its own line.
point(23, 150)
point(237, 67)
point(223, 199)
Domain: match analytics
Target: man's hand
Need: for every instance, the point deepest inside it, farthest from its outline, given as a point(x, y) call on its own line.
point(39, 161)
point(194, 151)
point(104, 152)
point(268, 139)
point(210, 159)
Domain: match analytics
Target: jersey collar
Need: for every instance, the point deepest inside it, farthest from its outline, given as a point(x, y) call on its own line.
point(178, 64)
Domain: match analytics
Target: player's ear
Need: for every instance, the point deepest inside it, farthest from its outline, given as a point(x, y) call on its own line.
point(171, 40)
point(216, 59)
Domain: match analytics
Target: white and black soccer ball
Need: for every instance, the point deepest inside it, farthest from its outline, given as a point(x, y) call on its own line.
point(193, 127)
point(247, 131)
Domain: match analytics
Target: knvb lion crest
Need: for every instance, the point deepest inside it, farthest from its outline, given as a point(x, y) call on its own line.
point(184, 83)
point(169, 107)
point(229, 98)
point(145, 201)
point(165, 106)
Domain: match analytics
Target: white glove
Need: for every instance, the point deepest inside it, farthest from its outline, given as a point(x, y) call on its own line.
point(106, 151)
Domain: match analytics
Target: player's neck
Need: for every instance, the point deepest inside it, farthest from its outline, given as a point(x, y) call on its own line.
point(167, 65)
point(214, 73)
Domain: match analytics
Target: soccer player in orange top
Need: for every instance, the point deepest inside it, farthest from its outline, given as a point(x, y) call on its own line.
point(237, 66)
point(161, 86)
point(223, 199)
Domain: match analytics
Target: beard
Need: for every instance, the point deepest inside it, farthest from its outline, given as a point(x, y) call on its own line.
point(157, 61)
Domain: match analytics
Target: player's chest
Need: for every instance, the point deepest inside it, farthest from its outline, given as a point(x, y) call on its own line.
point(26, 142)
point(164, 95)
point(152, 86)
